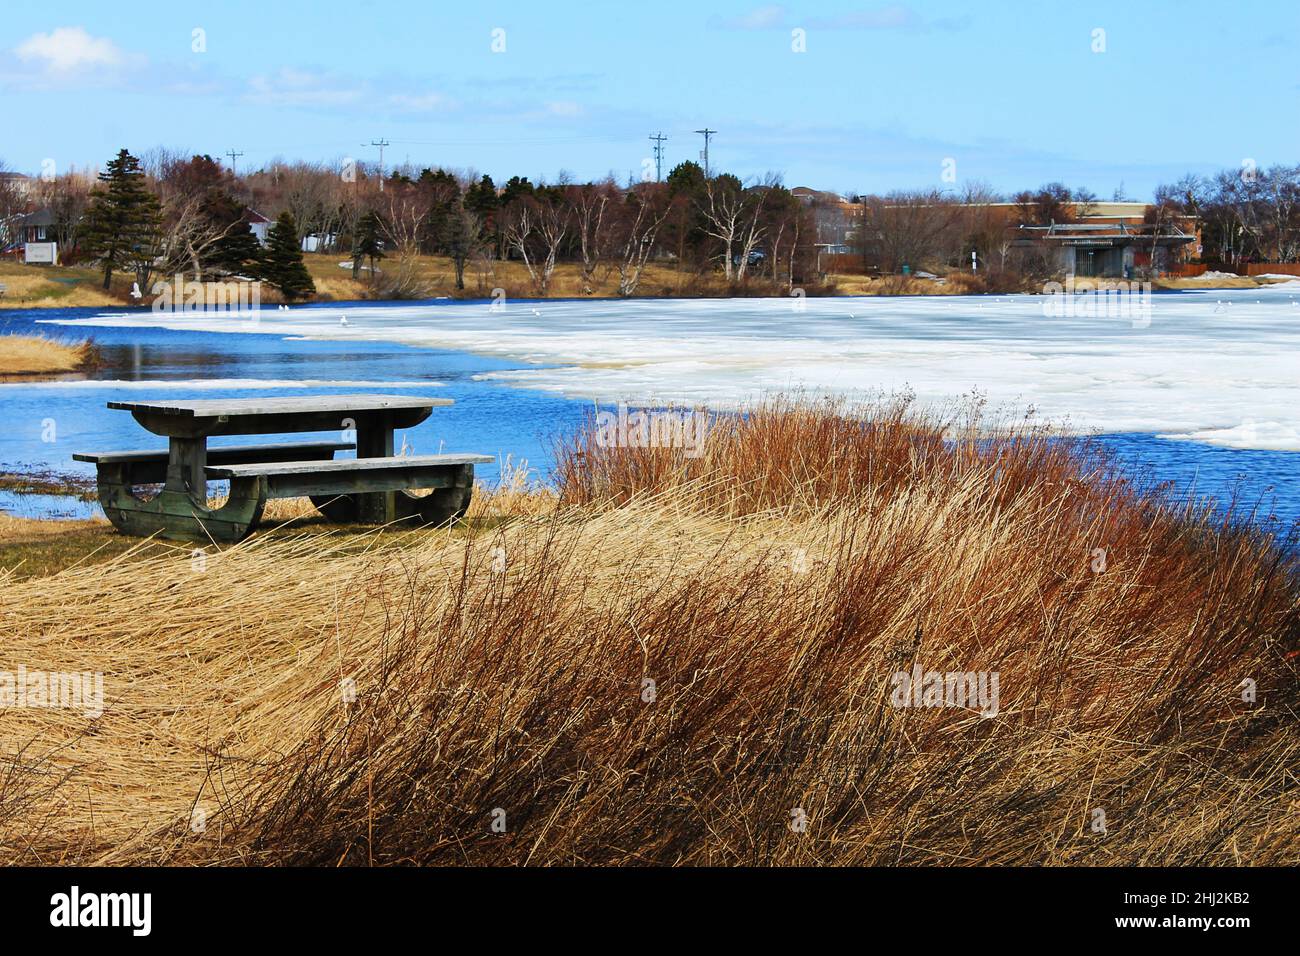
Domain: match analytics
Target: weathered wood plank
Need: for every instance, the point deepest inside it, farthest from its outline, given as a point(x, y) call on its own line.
point(342, 465)
point(175, 515)
point(374, 441)
point(268, 423)
point(222, 454)
point(441, 506)
point(291, 405)
point(361, 485)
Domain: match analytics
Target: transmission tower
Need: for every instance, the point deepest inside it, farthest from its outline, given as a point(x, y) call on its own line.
point(381, 143)
point(706, 133)
point(658, 140)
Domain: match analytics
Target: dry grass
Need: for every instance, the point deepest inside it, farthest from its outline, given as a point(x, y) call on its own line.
point(30, 287)
point(770, 589)
point(1200, 282)
point(38, 355)
point(954, 283)
point(435, 276)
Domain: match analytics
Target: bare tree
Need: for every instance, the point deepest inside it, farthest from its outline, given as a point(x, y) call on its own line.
point(462, 238)
point(590, 204)
point(13, 202)
point(908, 228)
point(731, 215)
point(535, 228)
point(188, 235)
point(644, 212)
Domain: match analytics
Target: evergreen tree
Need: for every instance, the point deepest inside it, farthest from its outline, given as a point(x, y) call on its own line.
point(124, 220)
point(282, 264)
point(481, 198)
point(368, 244)
point(237, 251)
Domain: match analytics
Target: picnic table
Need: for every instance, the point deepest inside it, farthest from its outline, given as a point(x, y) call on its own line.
point(373, 488)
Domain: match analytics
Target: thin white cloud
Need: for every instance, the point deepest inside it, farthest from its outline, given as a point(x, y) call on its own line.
point(69, 50)
point(765, 17)
point(421, 102)
point(290, 87)
point(895, 16)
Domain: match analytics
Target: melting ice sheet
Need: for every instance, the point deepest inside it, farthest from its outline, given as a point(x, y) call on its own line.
point(1220, 366)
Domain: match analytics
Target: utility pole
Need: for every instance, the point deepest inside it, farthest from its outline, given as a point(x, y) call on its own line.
point(381, 143)
point(658, 140)
point(706, 132)
point(233, 156)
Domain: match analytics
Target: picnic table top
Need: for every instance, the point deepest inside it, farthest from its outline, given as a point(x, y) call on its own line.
point(293, 405)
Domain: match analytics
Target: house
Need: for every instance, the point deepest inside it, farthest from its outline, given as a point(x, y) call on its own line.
point(1110, 250)
point(260, 225)
point(17, 184)
point(38, 238)
point(836, 221)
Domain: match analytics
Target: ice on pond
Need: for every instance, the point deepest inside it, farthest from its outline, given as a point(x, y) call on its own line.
point(1190, 368)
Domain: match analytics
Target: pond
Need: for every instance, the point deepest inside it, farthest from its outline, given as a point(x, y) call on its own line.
point(1204, 395)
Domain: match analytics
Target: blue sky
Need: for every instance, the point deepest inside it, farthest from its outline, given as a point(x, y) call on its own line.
point(884, 94)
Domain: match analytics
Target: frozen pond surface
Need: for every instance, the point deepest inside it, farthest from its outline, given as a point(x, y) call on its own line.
point(1217, 366)
point(1214, 373)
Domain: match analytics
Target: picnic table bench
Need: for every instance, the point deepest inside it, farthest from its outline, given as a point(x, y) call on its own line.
point(373, 488)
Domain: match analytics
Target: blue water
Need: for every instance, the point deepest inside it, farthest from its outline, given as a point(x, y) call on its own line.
point(488, 417)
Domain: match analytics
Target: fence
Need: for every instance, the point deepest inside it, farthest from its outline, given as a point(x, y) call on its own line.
point(844, 263)
point(1273, 268)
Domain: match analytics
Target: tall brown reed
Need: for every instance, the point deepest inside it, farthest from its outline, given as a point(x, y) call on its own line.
point(693, 661)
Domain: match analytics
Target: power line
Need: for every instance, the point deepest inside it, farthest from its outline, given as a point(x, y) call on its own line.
point(233, 156)
point(381, 143)
point(658, 140)
point(706, 132)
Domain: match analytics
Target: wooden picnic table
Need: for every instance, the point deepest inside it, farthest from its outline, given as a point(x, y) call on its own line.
point(372, 488)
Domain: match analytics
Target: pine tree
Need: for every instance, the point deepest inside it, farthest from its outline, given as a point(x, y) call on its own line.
point(124, 220)
point(368, 243)
point(237, 251)
point(282, 264)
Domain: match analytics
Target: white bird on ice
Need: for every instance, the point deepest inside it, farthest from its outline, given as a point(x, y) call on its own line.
point(343, 320)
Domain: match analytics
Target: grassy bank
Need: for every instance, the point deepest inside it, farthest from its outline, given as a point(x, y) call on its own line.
point(432, 276)
point(37, 355)
point(684, 661)
point(54, 287)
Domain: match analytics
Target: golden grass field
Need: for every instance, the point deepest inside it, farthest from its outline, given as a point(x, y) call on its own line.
point(664, 660)
point(38, 355)
point(52, 287)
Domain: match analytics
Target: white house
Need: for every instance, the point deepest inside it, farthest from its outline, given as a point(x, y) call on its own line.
point(259, 224)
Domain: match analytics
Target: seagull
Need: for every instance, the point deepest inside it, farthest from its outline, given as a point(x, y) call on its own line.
point(135, 291)
point(535, 312)
point(343, 320)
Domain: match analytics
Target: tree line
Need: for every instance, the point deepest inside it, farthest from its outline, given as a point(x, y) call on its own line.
point(1245, 215)
point(166, 213)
